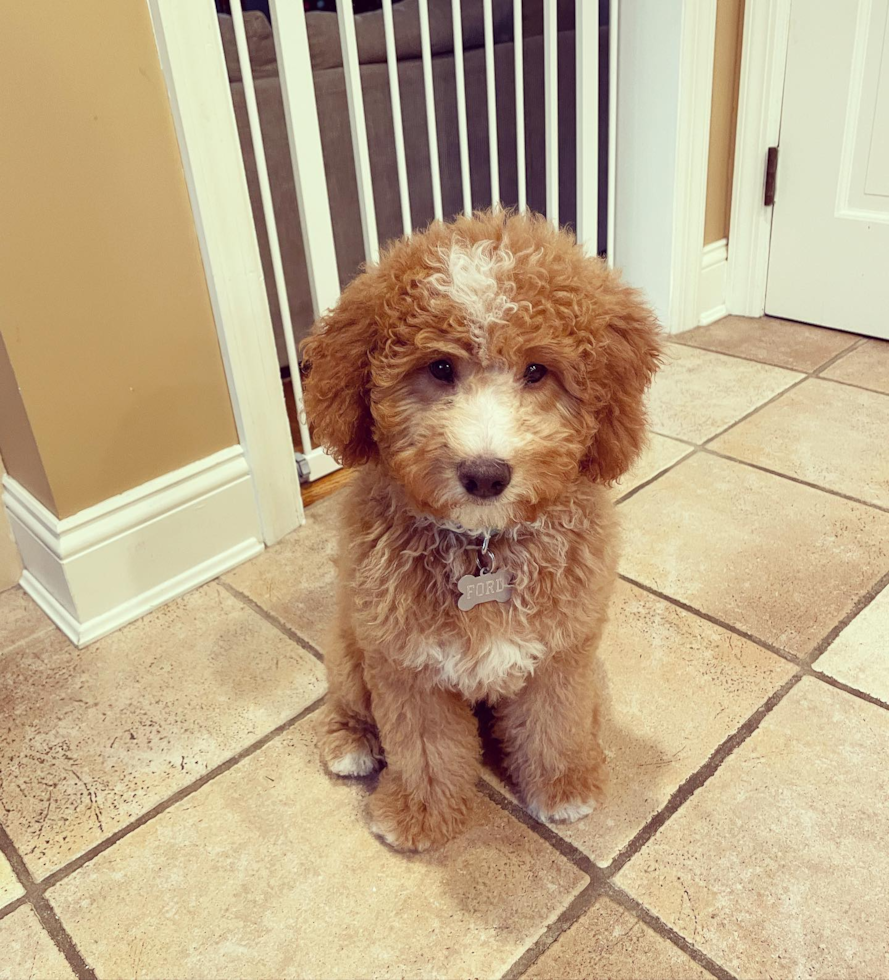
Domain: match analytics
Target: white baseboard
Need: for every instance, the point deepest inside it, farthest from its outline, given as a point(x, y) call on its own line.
point(106, 566)
point(711, 291)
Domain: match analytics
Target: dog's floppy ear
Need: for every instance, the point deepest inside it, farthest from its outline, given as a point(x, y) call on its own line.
point(625, 355)
point(337, 390)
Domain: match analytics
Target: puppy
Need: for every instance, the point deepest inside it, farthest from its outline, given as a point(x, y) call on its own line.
point(488, 378)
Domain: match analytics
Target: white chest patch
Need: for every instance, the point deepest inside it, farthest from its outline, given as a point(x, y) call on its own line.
point(498, 668)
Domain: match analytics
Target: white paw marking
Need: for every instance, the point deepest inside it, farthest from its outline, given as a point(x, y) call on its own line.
point(563, 814)
point(358, 763)
point(384, 835)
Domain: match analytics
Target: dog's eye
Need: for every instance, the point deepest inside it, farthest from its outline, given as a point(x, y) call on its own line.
point(442, 370)
point(534, 373)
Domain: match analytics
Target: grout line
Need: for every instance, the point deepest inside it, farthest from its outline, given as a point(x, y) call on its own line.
point(795, 479)
point(15, 904)
point(851, 384)
point(783, 654)
point(857, 608)
point(816, 372)
point(626, 901)
point(737, 357)
point(580, 904)
point(666, 435)
point(61, 937)
point(564, 847)
point(599, 885)
point(845, 688)
point(804, 664)
point(700, 776)
point(181, 794)
point(641, 486)
point(756, 410)
point(269, 618)
point(45, 912)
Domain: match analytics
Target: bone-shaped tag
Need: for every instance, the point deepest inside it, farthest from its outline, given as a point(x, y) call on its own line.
point(484, 587)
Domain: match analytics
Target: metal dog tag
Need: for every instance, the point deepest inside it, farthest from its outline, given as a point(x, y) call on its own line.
point(484, 587)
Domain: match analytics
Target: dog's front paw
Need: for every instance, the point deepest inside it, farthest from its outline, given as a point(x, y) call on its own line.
point(571, 796)
point(408, 823)
point(347, 749)
point(569, 812)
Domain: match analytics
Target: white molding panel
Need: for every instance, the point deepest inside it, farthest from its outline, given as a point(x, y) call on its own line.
point(711, 290)
point(665, 67)
point(110, 564)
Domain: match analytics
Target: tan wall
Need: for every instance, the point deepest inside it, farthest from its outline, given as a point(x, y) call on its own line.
point(105, 314)
point(723, 117)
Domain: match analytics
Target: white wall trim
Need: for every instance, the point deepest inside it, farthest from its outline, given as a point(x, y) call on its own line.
point(190, 49)
point(692, 149)
point(110, 564)
point(665, 74)
point(760, 96)
point(711, 292)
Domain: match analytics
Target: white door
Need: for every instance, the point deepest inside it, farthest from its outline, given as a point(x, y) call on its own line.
point(829, 259)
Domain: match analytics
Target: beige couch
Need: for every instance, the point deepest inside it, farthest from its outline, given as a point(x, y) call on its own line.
point(336, 139)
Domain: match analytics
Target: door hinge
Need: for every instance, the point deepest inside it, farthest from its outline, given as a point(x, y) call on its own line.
point(771, 173)
point(303, 470)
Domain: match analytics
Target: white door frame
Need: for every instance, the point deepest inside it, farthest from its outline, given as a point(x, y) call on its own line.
point(760, 97)
point(191, 54)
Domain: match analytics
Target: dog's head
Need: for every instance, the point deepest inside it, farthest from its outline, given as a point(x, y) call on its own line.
point(488, 365)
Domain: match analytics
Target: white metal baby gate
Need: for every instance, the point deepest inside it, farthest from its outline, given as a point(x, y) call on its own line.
point(595, 24)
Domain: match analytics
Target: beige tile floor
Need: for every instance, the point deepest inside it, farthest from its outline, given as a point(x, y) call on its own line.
point(163, 813)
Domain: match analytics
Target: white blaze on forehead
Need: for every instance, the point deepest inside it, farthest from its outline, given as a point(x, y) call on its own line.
point(482, 422)
point(477, 278)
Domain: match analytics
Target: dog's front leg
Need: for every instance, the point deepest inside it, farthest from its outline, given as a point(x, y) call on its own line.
point(430, 740)
point(549, 732)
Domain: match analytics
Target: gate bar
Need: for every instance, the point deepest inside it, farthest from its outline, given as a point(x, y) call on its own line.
point(491, 88)
point(268, 211)
point(429, 89)
point(456, 17)
point(355, 99)
point(587, 62)
point(306, 156)
point(407, 224)
point(613, 22)
point(519, 58)
point(551, 107)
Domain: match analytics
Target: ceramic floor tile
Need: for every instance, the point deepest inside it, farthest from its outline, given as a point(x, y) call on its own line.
point(825, 433)
point(781, 342)
point(10, 889)
point(26, 951)
point(859, 656)
point(673, 687)
point(93, 738)
point(295, 580)
point(270, 871)
point(609, 943)
point(660, 453)
point(20, 618)
point(777, 866)
point(696, 393)
point(781, 561)
point(867, 366)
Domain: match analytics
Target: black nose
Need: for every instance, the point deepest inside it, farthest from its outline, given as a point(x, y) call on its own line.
point(484, 477)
